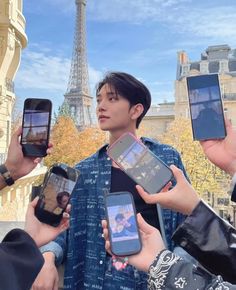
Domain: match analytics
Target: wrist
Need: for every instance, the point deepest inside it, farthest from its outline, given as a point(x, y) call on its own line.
point(49, 257)
point(12, 169)
point(6, 175)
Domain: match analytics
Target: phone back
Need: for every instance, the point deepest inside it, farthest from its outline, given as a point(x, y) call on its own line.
point(137, 161)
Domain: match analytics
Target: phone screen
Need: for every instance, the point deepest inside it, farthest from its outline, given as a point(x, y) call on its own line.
point(206, 109)
point(123, 229)
point(36, 126)
point(140, 163)
point(55, 194)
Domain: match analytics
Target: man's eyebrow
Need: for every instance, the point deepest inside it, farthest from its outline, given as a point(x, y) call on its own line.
point(109, 93)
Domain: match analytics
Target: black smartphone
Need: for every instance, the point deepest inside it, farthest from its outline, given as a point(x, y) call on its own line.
point(36, 127)
point(122, 224)
point(206, 108)
point(137, 161)
point(55, 193)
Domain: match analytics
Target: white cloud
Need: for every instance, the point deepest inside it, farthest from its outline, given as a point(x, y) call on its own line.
point(40, 70)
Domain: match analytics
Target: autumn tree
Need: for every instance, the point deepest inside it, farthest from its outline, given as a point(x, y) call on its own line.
point(71, 146)
point(204, 176)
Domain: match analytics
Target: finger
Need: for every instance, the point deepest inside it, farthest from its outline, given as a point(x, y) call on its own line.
point(108, 247)
point(68, 208)
point(104, 224)
point(33, 203)
point(16, 135)
point(106, 234)
point(37, 160)
point(148, 198)
point(166, 187)
point(178, 173)
point(66, 215)
point(144, 226)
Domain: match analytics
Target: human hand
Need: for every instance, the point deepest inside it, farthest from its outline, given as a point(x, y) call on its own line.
point(48, 277)
point(152, 244)
point(181, 198)
point(18, 164)
point(40, 232)
point(222, 152)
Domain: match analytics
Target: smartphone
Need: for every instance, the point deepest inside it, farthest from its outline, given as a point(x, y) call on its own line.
point(122, 224)
point(139, 163)
point(36, 127)
point(206, 108)
point(55, 193)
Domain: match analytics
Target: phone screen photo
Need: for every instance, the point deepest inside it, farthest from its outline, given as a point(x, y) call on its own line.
point(123, 228)
point(140, 163)
point(36, 127)
point(55, 195)
point(206, 108)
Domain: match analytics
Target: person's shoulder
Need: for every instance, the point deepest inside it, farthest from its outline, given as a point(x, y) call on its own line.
point(157, 145)
point(92, 159)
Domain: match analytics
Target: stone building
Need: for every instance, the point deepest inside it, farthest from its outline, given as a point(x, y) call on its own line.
point(12, 40)
point(219, 59)
point(13, 200)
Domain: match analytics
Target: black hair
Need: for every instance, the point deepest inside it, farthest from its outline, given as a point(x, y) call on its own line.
point(129, 88)
point(119, 216)
point(60, 196)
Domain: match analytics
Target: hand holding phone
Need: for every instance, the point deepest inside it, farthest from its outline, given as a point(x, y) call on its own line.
point(206, 108)
point(137, 161)
point(36, 127)
point(123, 229)
point(55, 193)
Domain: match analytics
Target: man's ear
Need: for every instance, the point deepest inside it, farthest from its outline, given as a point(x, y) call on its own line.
point(136, 111)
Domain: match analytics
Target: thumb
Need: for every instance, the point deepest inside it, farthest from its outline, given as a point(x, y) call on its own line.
point(34, 202)
point(178, 173)
point(16, 135)
point(144, 226)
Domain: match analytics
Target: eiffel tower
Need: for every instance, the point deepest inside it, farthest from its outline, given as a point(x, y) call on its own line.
point(78, 95)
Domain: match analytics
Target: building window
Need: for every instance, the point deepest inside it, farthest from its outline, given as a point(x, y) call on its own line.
point(204, 67)
point(224, 67)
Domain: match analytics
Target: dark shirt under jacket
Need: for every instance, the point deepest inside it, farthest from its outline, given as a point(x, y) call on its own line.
point(20, 261)
point(120, 181)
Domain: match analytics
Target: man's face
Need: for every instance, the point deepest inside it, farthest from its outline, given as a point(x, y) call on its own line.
point(121, 222)
point(113, 111)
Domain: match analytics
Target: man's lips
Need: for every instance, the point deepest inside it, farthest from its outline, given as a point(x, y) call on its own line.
point(103, 118)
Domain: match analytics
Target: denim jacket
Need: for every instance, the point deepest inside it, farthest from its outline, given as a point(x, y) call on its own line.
point(83, 245)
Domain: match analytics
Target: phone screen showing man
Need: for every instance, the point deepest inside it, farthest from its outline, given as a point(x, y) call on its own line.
point(123, 229)
point(56, 194)
point(206, 107)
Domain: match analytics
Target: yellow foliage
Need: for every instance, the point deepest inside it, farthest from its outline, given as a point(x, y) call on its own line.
point(71, 146)
point(204, 176)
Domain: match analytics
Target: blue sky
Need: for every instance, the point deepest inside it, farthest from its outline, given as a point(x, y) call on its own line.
point(140, 37)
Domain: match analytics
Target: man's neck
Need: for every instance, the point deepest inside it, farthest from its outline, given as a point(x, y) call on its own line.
point(115, 135)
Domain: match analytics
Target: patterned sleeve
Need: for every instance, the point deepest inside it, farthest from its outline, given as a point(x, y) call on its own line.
point(169, 271)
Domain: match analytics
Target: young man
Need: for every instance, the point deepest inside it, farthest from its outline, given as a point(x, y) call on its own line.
point(122, 102)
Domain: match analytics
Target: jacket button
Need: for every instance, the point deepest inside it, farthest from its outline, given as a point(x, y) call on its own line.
point(100, 262)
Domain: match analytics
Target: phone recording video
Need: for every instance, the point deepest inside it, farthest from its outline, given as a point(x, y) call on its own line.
point(137, 161)
point(36, 127)
point(206, 108)
point(123, 228)
point(55, 194)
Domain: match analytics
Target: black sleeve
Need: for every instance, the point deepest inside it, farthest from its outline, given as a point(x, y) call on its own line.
point(209, 239)
point(170, 272)
point(20, 261)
